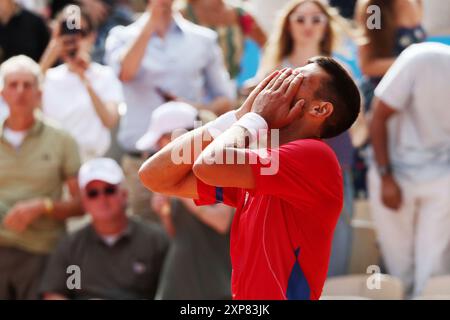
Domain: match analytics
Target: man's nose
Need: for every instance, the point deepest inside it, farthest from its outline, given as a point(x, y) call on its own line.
point(20, 88)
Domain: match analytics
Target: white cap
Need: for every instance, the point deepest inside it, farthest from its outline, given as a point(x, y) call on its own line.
point(102, 169)
point(166, 118)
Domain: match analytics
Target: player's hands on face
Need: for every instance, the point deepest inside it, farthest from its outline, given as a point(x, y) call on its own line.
point(274, 102)
point(23, 214)
point(391, 194)
point(248, 103)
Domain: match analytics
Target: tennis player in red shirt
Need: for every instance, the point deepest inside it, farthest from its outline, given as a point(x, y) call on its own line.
point(289, 195)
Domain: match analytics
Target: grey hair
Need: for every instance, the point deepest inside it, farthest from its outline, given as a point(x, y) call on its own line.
point(20, 63)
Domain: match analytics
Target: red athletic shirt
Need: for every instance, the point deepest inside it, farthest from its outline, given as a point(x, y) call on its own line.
point(282, 230)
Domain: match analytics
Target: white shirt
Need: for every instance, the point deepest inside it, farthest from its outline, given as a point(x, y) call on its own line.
point(187, 63)
point(67, 101)
point(14, 138)
point(418, 87)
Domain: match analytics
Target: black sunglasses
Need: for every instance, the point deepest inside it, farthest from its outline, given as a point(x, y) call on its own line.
point(107, 191)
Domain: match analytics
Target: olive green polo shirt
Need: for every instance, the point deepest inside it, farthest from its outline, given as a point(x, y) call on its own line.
point(39, 168)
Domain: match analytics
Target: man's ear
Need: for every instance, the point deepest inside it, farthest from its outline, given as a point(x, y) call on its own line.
point(321, 109)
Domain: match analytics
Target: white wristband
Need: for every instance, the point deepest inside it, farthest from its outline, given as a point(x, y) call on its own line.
point(254, 124)
point(221, 124)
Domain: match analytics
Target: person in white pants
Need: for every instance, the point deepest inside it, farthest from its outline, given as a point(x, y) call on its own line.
point(409, 183)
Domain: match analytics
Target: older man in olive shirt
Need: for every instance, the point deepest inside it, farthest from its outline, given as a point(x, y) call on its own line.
point(36, 160)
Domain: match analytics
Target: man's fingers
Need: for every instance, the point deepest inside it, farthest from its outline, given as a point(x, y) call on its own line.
point(294, 85)
point(286, 83)
point(280, 80)
point(272, 82)
point(263, 84)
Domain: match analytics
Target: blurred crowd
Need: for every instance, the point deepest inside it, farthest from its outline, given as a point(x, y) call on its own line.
point(91, 88)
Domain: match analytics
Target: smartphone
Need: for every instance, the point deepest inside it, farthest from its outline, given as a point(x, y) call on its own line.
point(165, 95)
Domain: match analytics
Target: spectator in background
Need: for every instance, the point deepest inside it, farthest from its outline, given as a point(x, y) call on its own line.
point(410, 183)
point(198, 263)
point(90, 92)
point(400, 27)
point(308, 28)
point(105, 14)
point(163, 57)
point(21, 32)
point(118, 13)
point(36, 160)
point(232, 24)
point(119, 257)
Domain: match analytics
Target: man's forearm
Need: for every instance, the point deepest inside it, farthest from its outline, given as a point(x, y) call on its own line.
point(66, 209)
point(379, 137)
point(171, 164)
point(168, 168)
point(132, 59)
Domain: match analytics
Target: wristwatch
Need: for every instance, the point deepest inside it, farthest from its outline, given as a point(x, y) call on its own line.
point(384, 170)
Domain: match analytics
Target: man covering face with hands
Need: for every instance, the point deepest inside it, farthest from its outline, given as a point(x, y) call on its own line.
point(282, 231)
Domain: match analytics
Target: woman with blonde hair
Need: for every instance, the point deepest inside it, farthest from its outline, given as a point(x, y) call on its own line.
point(305, 28)
point(308, 28)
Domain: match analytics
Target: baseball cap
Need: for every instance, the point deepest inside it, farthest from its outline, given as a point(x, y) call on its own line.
point(165, 119)
point(103, 169)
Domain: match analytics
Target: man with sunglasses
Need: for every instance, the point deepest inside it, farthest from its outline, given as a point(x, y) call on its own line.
point(118, 257)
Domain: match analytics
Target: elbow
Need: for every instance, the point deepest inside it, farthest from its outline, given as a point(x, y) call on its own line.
point(223, 229)
point(204, 171)
point(370, 69)
point(149, 178)
point(111, 123)
point(367, 70)
point(125, 76)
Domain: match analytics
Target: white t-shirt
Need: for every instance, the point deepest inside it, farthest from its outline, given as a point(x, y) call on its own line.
point(14, 138)
point(4, 112)
point(67, 101)
point(418, 87)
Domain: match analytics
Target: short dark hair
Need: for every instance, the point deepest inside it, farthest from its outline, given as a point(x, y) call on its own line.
point(340, 90)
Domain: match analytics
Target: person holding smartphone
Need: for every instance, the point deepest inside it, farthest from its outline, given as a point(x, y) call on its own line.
point(83, 96)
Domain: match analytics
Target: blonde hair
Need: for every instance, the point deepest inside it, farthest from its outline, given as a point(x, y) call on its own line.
point(17, 64)
point(281, 42)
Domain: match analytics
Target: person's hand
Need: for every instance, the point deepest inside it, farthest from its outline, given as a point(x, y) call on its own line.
point(248, 103)
point(61, 46)
point(23, 214)
point(159, 202)
point(391, 194)
point(274, 102)
point(80, 63)
point(158, 12)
